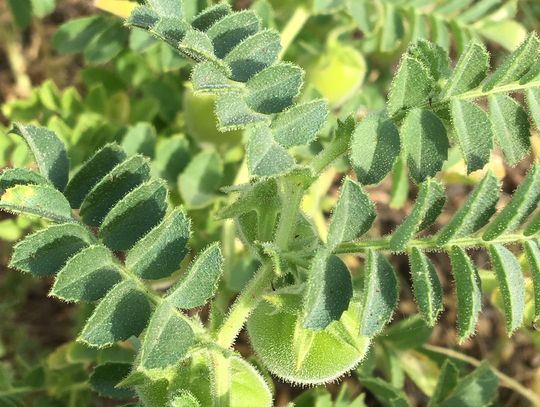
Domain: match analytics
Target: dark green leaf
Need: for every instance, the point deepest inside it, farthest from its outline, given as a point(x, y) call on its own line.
point(105, 377)
point(231, 30)
point(11, 177)
point(265, 157)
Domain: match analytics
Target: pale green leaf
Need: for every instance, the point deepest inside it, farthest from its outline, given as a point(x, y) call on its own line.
point(511, 283)
point(533, 101)
point(159, 253)
point(11, 177)
point(380, 296)
point(48, 151)
point(210, 77)
point(199, 182)
point(353, 216)
point(427, 208)
point(524, 202)
point(328, 292)
point(234, 113)
point(201, 282)
point(448, 380)
point(123, 313)
point(533, 258)
point(478, 388)
point(140, 139)
point(265, 157)
point(134, 215)
point(426, 285)
point(425, 143)
point(300, 124)
point(46, 251)
point(87, 276)
point(468, 292)
point(474, 133)
point(375, 147)
point(167, 8)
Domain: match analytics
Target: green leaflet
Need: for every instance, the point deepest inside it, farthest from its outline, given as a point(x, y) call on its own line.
point(48, 151)
point(208, 17)
point(40, 200)
point(265, 157)
point(112, 188)
point(87, 276)
point(380, 294)
point(92, 171)
point(434, 57)
point(248, 387)
point(510, 126)
point(328, 292)
point(425, 143)
point(466, 392)
point(210, 77)
point(123, 313)
point(201, 281)
point(411, 86)
point(11, 177)
point(167, 339)
point(468, 292)
point(533, 257)
point(231, 30)
point(375, 147)
point(140, 139)
point(511, 284)
point(474, 133)
point(427, 208)
point(159, 253)
point(353, 216)
point(172, 157)
point(134, 215)
point(384, 392)
point(167, 8)
point(516, 64)
point(533, 101)
point(471, 69)
point(474, 213)
point(199, 182)
point(233, 113)
point(46, 251)
point(253, 55)
point(106, 376)
point(184, 399)
point(426, 285)
point(276, 317)
point(275, 88)
point(448, 379)
point(300, 124)
point(524, 202)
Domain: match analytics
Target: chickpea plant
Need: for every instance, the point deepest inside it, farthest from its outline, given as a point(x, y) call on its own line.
point(111, 228)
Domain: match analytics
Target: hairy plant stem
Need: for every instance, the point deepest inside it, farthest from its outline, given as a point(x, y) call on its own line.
point(330, 153)
point(291, 196)
point(293, 27)
point(221, 379)
point(429, 243)
point(506, 381)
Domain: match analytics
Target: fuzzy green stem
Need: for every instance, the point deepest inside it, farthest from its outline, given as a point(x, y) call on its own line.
point(506, 381)
point(330, 153)
point(293, 27)
point(221, 379)
point(429, 243)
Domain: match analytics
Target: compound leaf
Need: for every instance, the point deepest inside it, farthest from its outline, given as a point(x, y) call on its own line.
point(468, 292)
point(159, 253)
point(87, 276)
point(134, 215)
point(426, 285)
point(375, 147)
point(353, 216)
point(427, 208)
point(329, 290)
point(122, 313)
point(511, 284)
point(475, 212)
point(48, 151)
point(425, 143)
point(380, 295)
point(46, 251)
point(523, 203)
point(201, 282)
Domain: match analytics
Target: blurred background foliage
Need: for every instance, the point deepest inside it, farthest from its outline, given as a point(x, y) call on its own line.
point(73, 67)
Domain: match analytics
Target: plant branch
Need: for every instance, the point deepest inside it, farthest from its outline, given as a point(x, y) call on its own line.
point(293, 27)
point(506, 381)
point(429, 243)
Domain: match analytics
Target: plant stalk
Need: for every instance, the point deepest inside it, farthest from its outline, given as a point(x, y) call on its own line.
point(293, 27)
